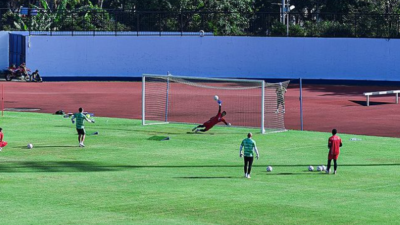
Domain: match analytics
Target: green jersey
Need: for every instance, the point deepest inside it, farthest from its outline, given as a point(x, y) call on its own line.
point(80, 118)
point(249, 145)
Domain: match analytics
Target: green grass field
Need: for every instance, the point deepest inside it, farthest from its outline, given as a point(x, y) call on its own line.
point(125, 175)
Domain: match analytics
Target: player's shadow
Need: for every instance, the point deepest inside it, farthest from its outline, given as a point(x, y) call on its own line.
point(206, 177)
point(364, 103)
point(200, 133)
point(158, 132)
point(241, 131)
point(151, 132)
point(158, 138)
point(52, 146)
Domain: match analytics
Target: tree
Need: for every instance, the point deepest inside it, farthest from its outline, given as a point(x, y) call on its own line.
point(363, 18)
point(224, 17)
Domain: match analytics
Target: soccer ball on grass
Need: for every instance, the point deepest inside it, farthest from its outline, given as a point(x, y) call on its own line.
point(269, 168)
point(310, 168)
point(29, 146)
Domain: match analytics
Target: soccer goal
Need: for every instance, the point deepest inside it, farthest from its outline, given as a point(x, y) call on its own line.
point(183, 99)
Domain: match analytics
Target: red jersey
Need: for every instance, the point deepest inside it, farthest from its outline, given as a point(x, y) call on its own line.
point(214, 120)
point(2, 143)
point(334, 144)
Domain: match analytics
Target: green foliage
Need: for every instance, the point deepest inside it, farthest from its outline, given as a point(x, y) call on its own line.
point(220, 17)
point(328, 29)
point(13, 22)
point(45, 5)
point(335, 29)
point(278, 29)
point(84, 18)
point(319, 18)
point(234, 21)
point(297, 31)
point(89, 18)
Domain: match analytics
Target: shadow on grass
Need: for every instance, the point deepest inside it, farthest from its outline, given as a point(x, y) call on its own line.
point(51, 146)
point(85, 166)
point(52, 166)
point(200, 133)
point(158, 138)
point(294, 174)
point(232, 166)
point(66, 126)
point(155, 132)
point(151, 132)
point(339, 165)
point(205, 177)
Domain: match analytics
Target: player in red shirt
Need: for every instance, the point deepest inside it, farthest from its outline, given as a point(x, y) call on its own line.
point(213, 121)
point(334, 144)
point(2, 143)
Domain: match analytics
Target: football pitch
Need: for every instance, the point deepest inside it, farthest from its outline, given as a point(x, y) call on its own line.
point(127, 175)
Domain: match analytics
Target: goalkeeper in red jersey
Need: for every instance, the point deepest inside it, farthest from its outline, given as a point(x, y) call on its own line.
point(213, 121)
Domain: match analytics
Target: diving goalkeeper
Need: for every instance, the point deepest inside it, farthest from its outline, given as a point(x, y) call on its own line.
point(213, 121)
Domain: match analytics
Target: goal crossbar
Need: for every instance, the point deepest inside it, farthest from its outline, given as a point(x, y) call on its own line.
point(202, 78)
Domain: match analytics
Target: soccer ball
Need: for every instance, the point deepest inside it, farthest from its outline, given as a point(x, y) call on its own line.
point(323, 168)
point(310, 168)
point(216, 98)
point(30, 146)
point(319, 168)
point(269, 168)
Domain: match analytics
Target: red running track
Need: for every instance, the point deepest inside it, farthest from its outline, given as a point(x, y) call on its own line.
point(324, 107)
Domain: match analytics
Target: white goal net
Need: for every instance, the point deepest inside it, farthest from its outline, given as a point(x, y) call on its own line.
point(248, 103)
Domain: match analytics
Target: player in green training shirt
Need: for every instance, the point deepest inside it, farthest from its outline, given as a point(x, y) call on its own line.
point(80, 128)
point(249, 146)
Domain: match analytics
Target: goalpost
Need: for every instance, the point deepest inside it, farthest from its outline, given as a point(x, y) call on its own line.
point(183, 99)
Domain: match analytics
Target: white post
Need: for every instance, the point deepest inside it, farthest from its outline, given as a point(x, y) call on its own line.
point(397, 98)
point(367, 100)
point(262, 106)
point(143, 99)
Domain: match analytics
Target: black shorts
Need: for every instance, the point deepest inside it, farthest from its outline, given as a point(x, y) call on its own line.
point(81, 131)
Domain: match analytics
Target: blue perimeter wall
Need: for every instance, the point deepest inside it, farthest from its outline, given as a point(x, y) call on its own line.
point(4, 50)
point(104, 57)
